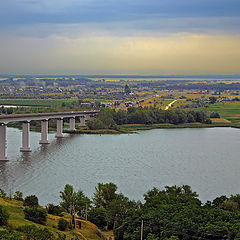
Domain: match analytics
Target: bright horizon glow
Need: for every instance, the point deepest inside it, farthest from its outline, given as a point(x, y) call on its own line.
point(108, 37)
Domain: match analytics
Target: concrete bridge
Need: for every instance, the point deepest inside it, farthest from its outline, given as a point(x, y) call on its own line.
point(43, 117)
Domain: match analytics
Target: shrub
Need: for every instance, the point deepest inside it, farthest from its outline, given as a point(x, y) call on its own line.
point(36, 215)
point(18, 196)
point(54, 210)
point(63, 224)
point(214, 115)
point(10, 235)
point(36, 233)
point(2, 193)
point(3, 216)
point(31, 201)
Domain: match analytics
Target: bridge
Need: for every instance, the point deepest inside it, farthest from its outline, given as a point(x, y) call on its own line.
point(43, 117)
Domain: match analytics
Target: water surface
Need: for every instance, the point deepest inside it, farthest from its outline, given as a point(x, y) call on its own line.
point(206, 159)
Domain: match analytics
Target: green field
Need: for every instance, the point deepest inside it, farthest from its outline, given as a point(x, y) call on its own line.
point(228, 110)
point(33, 102)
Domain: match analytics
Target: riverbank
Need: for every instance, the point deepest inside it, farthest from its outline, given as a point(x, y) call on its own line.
point(132, 128)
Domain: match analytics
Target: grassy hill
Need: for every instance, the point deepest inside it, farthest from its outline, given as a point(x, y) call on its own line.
point(15, 208)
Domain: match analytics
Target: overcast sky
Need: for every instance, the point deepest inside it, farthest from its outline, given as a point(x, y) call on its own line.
point(119, 36)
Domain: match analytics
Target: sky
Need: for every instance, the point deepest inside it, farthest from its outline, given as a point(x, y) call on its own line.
point(145, 37)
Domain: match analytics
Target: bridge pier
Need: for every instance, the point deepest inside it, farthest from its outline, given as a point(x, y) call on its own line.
point(59, 128)
point(44, 132)
point(82, 121)
point(25, 137)
point(72, 124)
point(3, 142)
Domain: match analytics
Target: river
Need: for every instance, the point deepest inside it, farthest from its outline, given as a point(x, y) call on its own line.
point(206, 159)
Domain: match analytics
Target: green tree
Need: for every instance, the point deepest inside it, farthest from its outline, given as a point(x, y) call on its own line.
point(31, 201)
point(18, 196)
point(104, 195)
point(4, 216)
point(98, 216)
point(73, 202)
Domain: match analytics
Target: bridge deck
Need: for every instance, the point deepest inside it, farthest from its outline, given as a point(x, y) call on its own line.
point(41, 116)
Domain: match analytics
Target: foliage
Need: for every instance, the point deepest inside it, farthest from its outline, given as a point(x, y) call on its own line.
point(104, 120)
point(54, 209)
point(73, 202)
point(31, 201)
point(6, 234)
point(2, 193)
point(177, 213)
point(18, 196)
point(214, 115)
point(104, 195)
point(98, 216)
point(63, 224)
point(36, 215)
point(36, 233)
point(109, 119)
point(4, 216)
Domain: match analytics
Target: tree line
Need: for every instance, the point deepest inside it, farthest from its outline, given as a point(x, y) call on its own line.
point(174, 213)
point(110, 119)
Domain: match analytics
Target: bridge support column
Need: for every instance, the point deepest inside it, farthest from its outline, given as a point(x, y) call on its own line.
point(44, 132)
point(59, 128)
point(3, 142)
point(72, 124)
point(82, 121)
point(25, 137)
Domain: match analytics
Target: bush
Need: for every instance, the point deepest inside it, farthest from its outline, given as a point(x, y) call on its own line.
point(214, 115)
point(3, 216)
point(54, 210)
point(36, 233)
point(63, 224)
point(10, 235)
point(31, 201)
point(18, 196)
point(36, 215)
point(2, 193)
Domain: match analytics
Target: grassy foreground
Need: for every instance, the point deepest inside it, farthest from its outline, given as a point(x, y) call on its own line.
point(15, 208)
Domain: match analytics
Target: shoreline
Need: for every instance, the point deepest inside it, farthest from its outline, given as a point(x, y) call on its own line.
point(132, 128)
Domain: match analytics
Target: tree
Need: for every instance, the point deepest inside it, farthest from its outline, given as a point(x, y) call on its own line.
point(18, 196)
point(98, 216)
point(4, 216)
point(54, 209)
point(104, 195)
point(31, 201)
point(2, 193)
point(73, 202)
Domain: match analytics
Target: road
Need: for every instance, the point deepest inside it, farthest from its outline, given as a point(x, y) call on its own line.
point(170, 104)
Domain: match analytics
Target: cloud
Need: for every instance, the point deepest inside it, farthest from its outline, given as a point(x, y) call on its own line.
point(176, 54)
point(28, 12)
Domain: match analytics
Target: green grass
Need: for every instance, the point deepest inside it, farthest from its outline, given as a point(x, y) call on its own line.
point(15, 209)
point(228, 110)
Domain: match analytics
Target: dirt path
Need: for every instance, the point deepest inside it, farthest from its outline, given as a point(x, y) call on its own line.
point(170, 104)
